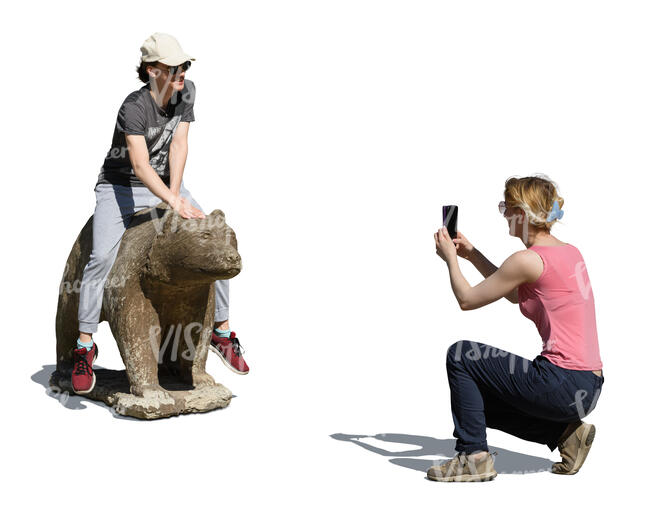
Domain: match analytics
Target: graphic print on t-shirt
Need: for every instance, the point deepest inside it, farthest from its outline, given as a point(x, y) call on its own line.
point(161, 138)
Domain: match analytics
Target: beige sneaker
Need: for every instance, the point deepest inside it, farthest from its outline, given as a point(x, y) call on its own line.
point(574, 446)
point(464, 468)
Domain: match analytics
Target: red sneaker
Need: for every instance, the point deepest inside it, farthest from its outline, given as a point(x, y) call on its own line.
point(83, 377)
point(230, 352)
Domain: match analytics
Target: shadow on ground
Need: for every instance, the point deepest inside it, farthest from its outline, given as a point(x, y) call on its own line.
point(506, 461)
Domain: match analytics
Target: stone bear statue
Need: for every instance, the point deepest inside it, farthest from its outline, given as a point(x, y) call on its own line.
point(161, 285)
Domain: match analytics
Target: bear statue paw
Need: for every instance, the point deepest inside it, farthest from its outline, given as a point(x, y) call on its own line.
point(204, 379)
point(152, 392)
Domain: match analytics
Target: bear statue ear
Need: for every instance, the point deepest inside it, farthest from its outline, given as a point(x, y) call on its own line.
point(217, 218)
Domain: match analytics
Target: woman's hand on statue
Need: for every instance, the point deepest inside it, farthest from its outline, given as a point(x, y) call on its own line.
point(445, 248)
point(464, 248)
point(185, 209)
point(188, 211)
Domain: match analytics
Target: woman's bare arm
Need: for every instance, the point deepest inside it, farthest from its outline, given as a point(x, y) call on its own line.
point(486, 268)
point(520, 267)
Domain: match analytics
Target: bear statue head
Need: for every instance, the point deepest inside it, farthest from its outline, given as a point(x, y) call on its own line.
point(187, 252)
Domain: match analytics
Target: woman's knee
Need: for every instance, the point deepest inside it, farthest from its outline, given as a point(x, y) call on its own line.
point(467, 350)
point(458, 350)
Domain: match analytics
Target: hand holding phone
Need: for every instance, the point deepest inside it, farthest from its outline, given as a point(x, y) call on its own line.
point(450, 219)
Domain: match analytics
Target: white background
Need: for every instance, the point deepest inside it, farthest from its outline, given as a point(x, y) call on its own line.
point(331, 133)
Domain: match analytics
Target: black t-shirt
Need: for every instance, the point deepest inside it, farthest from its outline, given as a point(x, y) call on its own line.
point(140, 115)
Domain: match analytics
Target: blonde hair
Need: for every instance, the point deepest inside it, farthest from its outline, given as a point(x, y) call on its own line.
point(535, 195)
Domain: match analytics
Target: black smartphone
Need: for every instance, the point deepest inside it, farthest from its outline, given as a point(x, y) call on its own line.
point(450, 219)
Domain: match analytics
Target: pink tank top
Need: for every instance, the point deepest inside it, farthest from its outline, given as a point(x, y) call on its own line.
point(561, 304)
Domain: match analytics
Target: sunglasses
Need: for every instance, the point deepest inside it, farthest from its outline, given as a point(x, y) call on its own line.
point(502, 207)
point(173, 69)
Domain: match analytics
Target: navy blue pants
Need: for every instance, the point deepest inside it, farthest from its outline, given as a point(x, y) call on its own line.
point(533, 400)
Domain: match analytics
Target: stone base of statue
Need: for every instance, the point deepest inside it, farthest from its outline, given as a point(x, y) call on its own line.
point(170, 399)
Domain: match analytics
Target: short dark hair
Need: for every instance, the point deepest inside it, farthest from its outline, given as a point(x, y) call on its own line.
point(142, 70)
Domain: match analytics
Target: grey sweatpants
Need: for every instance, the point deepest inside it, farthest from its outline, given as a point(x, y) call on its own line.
point(115, 207)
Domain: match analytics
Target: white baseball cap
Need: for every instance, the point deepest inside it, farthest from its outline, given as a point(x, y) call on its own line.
point(165, 49)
